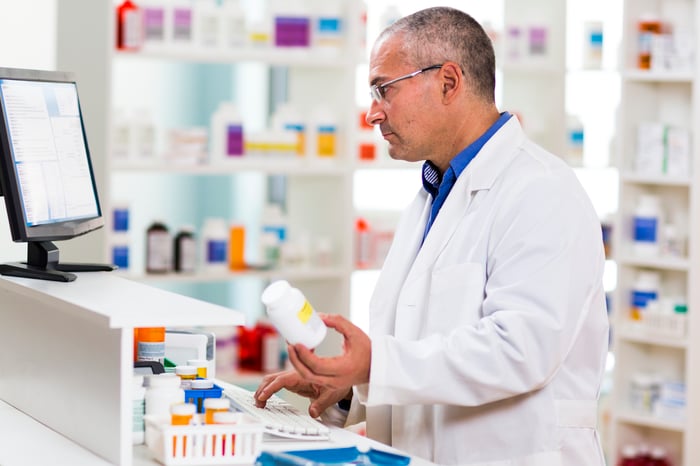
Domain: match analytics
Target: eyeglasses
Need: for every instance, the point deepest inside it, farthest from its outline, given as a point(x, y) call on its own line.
point(377, 91)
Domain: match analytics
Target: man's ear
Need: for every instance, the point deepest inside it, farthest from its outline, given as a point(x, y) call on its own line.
point(452, 80)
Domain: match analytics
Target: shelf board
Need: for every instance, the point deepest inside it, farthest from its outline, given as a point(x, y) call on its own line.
point(663, 263)
point(647, 420)
point(624, 334)
point(658, 76)
point(271, 165)
point(534, 67)
point(660, 180)
point(299, 273)
point(271, 56)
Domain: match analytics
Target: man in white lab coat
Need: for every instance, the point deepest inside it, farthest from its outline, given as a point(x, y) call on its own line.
point(488, 330)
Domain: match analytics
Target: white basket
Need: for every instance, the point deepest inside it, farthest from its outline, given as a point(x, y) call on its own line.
point(204, 443)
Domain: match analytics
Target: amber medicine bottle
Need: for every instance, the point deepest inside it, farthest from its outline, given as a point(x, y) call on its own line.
point(151, 344)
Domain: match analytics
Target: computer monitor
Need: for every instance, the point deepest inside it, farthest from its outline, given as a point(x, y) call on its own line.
point(46, 174)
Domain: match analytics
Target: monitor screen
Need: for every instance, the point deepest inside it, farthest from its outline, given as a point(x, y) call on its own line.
point(48, 183)
point(46, 175)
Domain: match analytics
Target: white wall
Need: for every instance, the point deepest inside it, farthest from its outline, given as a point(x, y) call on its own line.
point(27, 32)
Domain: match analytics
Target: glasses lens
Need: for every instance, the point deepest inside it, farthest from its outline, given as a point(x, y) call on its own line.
point(375, 93)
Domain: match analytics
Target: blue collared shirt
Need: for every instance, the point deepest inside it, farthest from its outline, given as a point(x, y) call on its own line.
point(439, 186)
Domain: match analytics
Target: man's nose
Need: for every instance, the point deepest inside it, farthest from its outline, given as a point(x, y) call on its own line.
point(375, 114)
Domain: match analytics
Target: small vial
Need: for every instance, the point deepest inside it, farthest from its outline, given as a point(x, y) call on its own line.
point(292, 314)
point(187, 374)
point(198, 384)
point(202, 366)
point(158, 248)
point(185, 250)
point(214, 405)
point(182, 414)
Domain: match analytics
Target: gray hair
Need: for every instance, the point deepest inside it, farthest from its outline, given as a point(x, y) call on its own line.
point(435, 35)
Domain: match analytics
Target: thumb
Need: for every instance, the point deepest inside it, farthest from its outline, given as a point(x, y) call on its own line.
point(320, 404)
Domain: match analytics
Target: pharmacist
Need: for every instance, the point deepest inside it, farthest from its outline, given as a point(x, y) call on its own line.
point(488, 330)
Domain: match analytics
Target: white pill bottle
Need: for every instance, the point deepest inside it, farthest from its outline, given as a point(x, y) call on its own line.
point(292, 314)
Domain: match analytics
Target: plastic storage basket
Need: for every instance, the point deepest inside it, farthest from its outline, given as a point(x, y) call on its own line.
point(204, 443)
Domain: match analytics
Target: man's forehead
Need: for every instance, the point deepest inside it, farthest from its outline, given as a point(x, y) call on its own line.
point(385, 56)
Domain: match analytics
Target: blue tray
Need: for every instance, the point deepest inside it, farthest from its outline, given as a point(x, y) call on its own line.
point(345, 456)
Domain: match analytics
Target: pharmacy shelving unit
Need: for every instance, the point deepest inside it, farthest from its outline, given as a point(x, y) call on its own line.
point(532, 61)
point(668, 346)
point(318, 192)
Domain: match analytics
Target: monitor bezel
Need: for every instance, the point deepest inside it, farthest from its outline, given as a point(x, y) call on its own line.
point(9, 184)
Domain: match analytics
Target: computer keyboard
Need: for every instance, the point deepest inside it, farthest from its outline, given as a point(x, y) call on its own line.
point(279, 417)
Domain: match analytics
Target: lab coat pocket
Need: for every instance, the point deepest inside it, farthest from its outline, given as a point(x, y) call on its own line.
point(456, 295)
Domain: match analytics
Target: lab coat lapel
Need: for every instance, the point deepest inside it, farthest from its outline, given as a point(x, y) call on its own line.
point(480, 174)
point(397, 265)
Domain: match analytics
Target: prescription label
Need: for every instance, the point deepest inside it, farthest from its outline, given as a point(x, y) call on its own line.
point(305, 312)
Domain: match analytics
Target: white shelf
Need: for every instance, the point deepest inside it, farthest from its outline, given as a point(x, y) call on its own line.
point(268, 55)
point(306, 273)
point(647, 420)
point(661, 263)
point(634, 75)
point(269, 166)
point(625, 334)
point(660, 180)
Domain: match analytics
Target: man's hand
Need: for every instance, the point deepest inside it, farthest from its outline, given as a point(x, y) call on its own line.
point(321, 397)
point(339, 372)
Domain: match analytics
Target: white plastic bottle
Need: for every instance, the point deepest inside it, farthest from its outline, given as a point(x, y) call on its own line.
point(181, 22)
point(274, 221)
point(645, 290)
point(593, 45)
point(292, 24)
point(163, 391)
point(207, 24)
point(575, 137)
point(121, 135)
point(288, 118)
point(292, 314)
point(226, 134)
point(325, 133)
point(328, 30)
point(143, 134)
point(647, 220)
point(155, 18)
point(215, 245)
point(233, 25)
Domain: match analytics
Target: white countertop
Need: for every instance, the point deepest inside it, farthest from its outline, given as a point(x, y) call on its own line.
point(26, 442)
point(121, 303)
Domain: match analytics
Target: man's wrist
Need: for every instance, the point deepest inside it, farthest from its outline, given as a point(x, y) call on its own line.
point(345, 403)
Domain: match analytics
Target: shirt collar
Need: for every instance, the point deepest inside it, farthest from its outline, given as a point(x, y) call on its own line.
point(431, 175)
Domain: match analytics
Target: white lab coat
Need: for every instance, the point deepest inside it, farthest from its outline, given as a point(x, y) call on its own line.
point(489, 340)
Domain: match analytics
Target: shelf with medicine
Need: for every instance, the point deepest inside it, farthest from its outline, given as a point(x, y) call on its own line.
point(656, 329)
point(188, 131)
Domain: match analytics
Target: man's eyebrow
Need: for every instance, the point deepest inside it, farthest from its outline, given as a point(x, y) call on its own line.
point(377, 80)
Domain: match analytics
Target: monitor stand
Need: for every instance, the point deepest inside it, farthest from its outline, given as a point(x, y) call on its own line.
point(42, 264)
